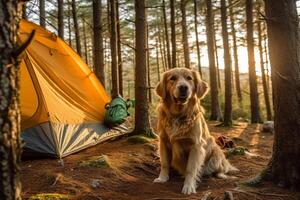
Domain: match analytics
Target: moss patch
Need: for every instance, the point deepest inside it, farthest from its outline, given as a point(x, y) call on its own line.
point(96, 162)
point(53, 196)
point(138, 139)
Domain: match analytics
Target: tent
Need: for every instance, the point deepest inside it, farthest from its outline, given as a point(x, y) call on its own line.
point(62, 101)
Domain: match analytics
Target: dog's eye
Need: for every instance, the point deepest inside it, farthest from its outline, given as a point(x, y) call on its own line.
point(189, 78)
point(173, 78)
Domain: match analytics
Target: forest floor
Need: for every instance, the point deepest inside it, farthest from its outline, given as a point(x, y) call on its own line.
point(133, 168)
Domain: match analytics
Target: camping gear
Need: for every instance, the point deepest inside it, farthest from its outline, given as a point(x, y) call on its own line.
point(116, 112)
point(62, 101)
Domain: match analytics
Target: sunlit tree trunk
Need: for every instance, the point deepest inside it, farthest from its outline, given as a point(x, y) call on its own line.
point(76, 28)
point(217, 59)
point(166, 35)
point(215, 106)
point(235, 55)
point(283, 33)
point(255, 113)
point(197, 37)
point(173, 33)
point(10, 143)
point(42, 13)
point(227, 63)
point(120, 62)
point(142, 118)
point(60, 18)
point(113, 49)
point(98, 41)
point(185, 42)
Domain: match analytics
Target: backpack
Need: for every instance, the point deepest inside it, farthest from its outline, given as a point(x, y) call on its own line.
point(116, 112)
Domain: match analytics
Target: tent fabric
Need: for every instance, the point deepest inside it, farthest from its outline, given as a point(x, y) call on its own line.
point(62, 101)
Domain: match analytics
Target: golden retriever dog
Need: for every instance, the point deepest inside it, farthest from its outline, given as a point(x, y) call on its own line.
point(184, 139)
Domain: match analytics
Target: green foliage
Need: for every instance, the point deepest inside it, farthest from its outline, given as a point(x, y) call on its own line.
point(96, 162)
point(53, 196)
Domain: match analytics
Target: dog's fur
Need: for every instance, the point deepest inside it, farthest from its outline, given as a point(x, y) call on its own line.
point(184, 139)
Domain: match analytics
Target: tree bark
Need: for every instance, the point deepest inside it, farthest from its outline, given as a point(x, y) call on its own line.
point(283, 34)
point(85, 42)
point(148, 64)
point(24, 12)
point(166, 35)
point(69, 24)
point(60, 18)
point(255, 113)
point(217, 59)
point(98, 41)
point(185, 41)
point(157, 59)
point(10, 143)
point(215, 106)
point(227, 62)
point(263, 76)
point(161, 50)
point(235, 55)
point(197, 37)
point(120, 63)
point(113, 48)
point(42, 13)
point(142, 118)
point(76, 27)
point(173, 33)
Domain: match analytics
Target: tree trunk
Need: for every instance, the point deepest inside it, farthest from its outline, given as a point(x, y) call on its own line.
point(98, 41)
point(164, 52)
point(161, 51)
point(185, 41)
point(283, 34)
point(217, 60)
point(148, 65)
point(166, 35)
point(235, 55)
point(267, 61)
point(157, 59)
point(60, 18)
point(263, 76)
point(215, 106)
point(113, 49)
point(173, 33)
point(24, 14)
point(76, 27)
point(142, 118)
point(255, 113)
point(85, 42)
point(197, 37)
point(42, 13)
point(120, 64)
point(227, 62)
point(69, 24)
point(10, 143)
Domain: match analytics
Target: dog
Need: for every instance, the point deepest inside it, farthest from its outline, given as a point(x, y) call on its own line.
point(185, 142)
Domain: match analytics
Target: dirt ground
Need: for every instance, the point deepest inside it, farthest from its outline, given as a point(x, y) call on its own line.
point(134, 167)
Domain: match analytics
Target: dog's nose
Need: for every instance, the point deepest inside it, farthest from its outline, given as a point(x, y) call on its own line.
point(183, 89)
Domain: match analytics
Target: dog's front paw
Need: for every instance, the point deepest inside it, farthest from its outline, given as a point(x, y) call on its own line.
point(189, 189)
point(161, 179)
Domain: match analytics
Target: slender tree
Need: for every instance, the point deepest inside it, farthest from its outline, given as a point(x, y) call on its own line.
point(142, 120)
point(76, 28)
point(120, 63)
point(166, 34)
point(197, 36)
point(283, 33)
point(215, 106)
point(262, 67)
point(10, 143)
point(42, 13)
point(69, 23)
point(113, 48)
point(255, 113)
point(217, 57)
point(85, 42)
point(24, 15)
point(235, 55)
point(148, 64)
point(173, 32)
point(184, 34)
point(60, 18)
point(227, 62)
point(98, 41)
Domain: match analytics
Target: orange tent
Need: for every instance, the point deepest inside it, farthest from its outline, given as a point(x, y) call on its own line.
point(62, 101)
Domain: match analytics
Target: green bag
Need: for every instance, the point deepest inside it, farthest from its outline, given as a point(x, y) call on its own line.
point(116, 112)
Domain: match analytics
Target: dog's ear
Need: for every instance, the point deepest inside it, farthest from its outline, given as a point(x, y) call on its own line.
point(201, 87)
point(161, 86)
